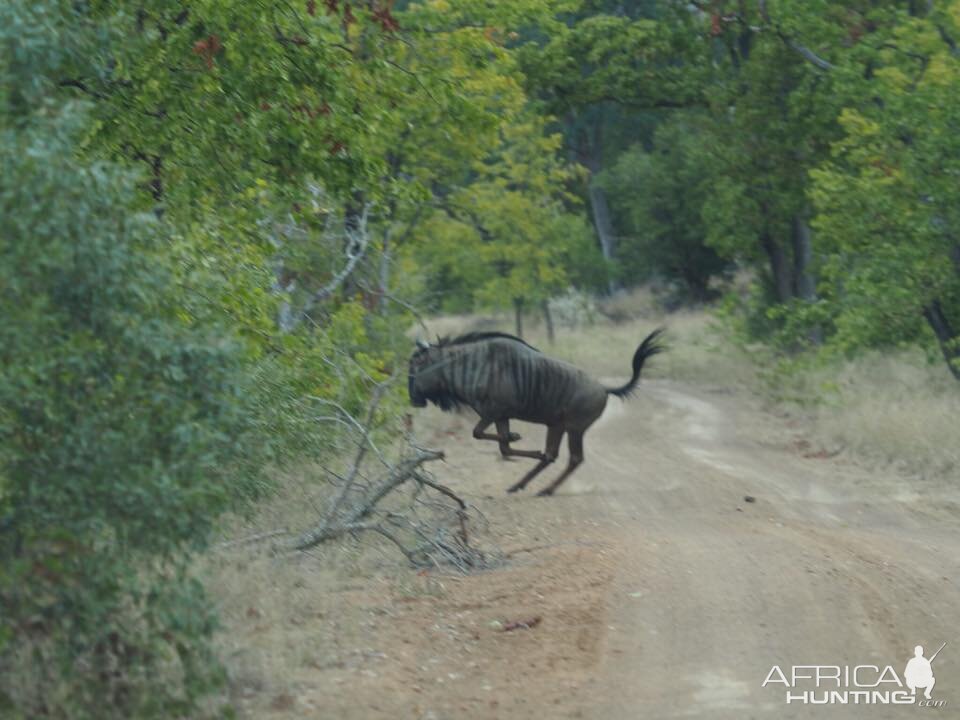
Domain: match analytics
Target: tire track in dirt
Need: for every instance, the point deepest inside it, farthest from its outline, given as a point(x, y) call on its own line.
point(713, 590)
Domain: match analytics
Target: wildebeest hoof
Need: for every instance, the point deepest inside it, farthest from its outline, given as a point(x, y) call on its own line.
point(514, 488)
point(546, 492)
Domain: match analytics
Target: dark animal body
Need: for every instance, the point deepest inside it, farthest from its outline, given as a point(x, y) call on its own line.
point(503, 378)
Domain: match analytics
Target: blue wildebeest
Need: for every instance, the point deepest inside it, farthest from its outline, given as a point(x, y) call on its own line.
point(503, 378)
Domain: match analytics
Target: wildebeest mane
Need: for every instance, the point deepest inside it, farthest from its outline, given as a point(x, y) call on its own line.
point(472, 337)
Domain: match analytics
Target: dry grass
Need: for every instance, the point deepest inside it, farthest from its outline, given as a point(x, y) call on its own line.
point(893, 411)
point(698, 351)
point(264, 597)
point(292, 620)
point(286, 616)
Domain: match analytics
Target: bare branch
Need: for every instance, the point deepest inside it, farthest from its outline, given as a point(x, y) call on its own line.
point(402, 303)
point(416, 77)
point(351, 421)
point(357, 242)
point(806, 52)
point(82, 87)
point(253, 538)
point(355, 468)
point(951, 43)
point(399, 474)
point(461, 513)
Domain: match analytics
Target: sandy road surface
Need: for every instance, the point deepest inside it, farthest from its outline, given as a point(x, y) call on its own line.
point(705, 591)
point(660, 592)
point(830, 565)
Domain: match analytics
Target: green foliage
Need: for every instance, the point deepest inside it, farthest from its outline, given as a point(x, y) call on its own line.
point(658, 198)
point(886, 201)
point(606, 52)
point(507, 237)
point(145, 390)
point(808, 141)
point(123, 434)
point(179, 184)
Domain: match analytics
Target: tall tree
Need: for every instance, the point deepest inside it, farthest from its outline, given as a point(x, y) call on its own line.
point(886, 200)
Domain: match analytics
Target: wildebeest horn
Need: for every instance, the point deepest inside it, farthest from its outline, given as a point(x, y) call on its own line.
point(422, 344)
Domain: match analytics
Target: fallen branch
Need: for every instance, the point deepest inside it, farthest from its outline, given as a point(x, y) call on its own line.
point(397, 475)
point(361, 451)
point(366, 527)
point(253, 538)
point(461, 513)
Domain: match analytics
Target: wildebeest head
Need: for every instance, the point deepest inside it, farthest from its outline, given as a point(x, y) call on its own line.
point(421, 380)
point(427, 380)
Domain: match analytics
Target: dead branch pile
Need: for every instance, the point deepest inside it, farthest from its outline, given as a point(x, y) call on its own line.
point(398, 500)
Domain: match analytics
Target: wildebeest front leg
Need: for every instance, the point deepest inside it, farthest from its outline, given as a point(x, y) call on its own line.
point(576, 457)
point(554, 436)
point(503, 431)
point(479, 434)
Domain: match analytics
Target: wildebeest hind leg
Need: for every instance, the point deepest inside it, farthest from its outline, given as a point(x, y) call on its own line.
point(576, 457)
point(479, 434)
point(554, 436)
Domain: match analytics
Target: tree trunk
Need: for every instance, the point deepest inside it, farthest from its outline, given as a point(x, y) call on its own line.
point(284, 282)
point(352, 221)
point(588, 152)
point(806, 286)
point(518, 311)
point(384, 273)
point(946, 336)
point(548, 321)
point(802, 259)
point(600, 210)
point(779, 268)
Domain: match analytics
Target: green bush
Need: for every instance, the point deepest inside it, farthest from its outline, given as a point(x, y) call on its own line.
point(125, 430)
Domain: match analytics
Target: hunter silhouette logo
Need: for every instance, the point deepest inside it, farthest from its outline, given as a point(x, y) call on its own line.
point(859, 684)
point(919, 671)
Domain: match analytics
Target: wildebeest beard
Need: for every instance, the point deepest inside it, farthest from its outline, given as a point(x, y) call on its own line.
point(445, 400)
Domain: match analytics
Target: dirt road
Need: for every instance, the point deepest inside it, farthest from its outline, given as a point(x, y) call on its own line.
point(828, 566)
point(653, 587)
point(727, 546)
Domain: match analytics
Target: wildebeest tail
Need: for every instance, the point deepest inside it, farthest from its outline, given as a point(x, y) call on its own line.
point(649, 347)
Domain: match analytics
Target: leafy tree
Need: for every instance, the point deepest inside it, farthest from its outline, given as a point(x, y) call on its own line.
point(168, 172)
point(886, 200)
point(606, 71)
point(507, 238)
point(124, 431)
point(657, 197)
